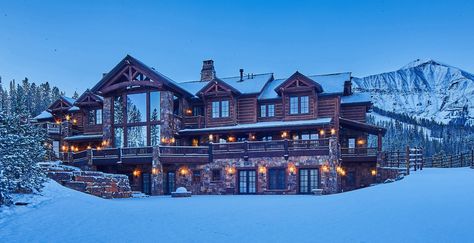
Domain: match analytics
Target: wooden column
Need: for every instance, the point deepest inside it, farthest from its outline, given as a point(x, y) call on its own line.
point(379, 142)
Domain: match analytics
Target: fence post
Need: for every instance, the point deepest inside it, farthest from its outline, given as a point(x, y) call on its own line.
point(408, 160)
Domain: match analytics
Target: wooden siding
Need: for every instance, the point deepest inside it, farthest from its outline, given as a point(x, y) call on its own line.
point(221, 121)
point(278, 111)
point(313, 100)
point(356, 112)
point(247, 111)
point(328, 106)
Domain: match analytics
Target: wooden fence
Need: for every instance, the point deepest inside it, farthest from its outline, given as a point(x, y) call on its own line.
point(412, 159)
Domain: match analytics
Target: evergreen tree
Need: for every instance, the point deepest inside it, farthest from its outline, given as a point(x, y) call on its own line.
point(21, 147)
point(75, 95)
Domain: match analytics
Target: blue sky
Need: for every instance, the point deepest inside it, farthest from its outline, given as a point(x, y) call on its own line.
point(70, 44)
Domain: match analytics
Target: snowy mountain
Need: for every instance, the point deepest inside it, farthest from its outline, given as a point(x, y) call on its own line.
point(424, 89)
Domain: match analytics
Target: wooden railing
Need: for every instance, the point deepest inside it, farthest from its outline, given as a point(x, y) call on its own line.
point(137, 152)
point(193, 121)
point(367, 151)
point(184, 150)
point(53, 128)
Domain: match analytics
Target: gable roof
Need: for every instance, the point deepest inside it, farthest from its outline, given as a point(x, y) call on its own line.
point(88, 97)
point(299, 76)
point(250, 84)
point(155, 75)
point(331, 84)
point(69, 102)
point(356, 98)
point(218, 81)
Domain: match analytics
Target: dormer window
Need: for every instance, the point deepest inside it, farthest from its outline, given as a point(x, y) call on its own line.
point(267, 110)
point(220, 109)
point(299, 105)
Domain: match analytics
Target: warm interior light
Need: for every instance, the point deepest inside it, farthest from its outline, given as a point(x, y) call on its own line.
point(98, 148)
point(361, 141)
point(211, 137)
point(89, 147)
point(154, 171)
point(189, 112)
point(291, 168)
point(74, 121)
point(64, 148)
point(373, 172)
point(284, 134)
point(58, 121)
point(172, 140)
point(333, 131)
point(252, 137)
point(321, 132)
point(231, 139)
point(262, 169)
point(341, 171)
point(68, 117)
point(195, 142)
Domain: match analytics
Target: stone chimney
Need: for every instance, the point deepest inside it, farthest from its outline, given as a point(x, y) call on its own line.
point(208, 72)
point(347, 88)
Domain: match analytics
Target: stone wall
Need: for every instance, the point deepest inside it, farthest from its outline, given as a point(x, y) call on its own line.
point(107, 119)
point(91, 182)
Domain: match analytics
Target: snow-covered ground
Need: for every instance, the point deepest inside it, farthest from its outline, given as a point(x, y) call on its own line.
point(435, 205)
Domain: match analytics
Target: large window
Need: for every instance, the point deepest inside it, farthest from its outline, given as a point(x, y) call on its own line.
point(136, 108)
point(95, 117)
point(277, 179)
point(247, 181)
point(299, 105)
point(155, 106)
point(136, 136)
point(118, 110)
point(220, 109)
point(155, 135)
point(267, 110)
point(294, 105)
point(304, 104)
point(308, 180)
point(118, 137)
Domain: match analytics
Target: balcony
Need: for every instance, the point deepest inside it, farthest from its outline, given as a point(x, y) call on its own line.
point(365, 154)
point(205, 154)
point(193, 121)
point(53, 128)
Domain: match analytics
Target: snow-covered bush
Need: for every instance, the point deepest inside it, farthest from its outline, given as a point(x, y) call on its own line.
point(21, 146)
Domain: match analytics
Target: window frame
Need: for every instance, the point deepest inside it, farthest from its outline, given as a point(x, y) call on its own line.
point(280, 180)
point(271, 114)
point(263, 111)
point(219, 110)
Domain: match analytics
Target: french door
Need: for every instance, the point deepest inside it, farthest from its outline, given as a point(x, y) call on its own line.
point(247, 182)
point(308, 180)
point(146, 183)
point(169, 182)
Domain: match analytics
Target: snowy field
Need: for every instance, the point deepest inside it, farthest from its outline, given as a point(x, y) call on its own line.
point(435, 205)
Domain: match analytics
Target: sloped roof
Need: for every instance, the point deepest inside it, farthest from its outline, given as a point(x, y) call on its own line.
point(68, 100)
point(356, 98)
point(331, 84)
point(250, 84)
point(43, 115)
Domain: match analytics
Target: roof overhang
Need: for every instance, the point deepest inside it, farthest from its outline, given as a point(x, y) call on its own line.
point(360, 126)
point(84, 138)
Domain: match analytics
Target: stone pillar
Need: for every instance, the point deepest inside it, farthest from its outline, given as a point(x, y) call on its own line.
point(107, 119)
point(157, 173)
point(332, 180)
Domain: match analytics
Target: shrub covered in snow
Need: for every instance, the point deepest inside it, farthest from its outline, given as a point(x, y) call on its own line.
point(21, 146)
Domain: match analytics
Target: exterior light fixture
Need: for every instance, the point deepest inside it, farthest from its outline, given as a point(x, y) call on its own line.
point(89, 147)
point(341, 171)
point(136, 173)
point(284, 134)
point(361, 141)
point(68, 117)
point(321, 132)
point(172, 140)
point(291, 169)
point(325, 168)
point(252, 137)
point(262, 169)
point(333, 131)
point(74, 121)
point(58, 121)
point(155, 171)
point(230, 170)
point(231, 139)
point(189, 112)
point(183, 171)
point(211, 137)
point(64, 148)
point(373, 172)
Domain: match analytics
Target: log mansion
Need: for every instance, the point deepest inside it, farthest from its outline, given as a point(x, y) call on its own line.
point(245, 134)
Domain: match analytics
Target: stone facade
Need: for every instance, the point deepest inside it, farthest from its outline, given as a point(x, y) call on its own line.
point(91, 182)
point(107, 119)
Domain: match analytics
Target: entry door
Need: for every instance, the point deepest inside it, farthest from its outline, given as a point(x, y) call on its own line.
point(170, 182)
point(146, 183)
point(247, 182)
point(308, 180)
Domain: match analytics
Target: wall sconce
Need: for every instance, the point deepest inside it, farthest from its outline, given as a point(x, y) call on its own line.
point(321, 132)
point(325, 168)
point(341, 171)
point(262, 169)
point(284, 134)
point(183, 171)
point(291, 169)
point(172, 140)
point(99, 148)
point(361, 142)
point(68, 117)
point(155, 171)
point(74, 121)
point(136, 173)
point(373, 172)
point(211, 137)
point(252, 137)
point(231, 139)
point(64, 148)
point(89, 147)
point(58, 121)
point(230, 170)
point(333, 131)
point(189, 112)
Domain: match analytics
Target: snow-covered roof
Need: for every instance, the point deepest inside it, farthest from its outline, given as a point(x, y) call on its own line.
point(43, 115)
point(331, 84)
point(356, 98)
point(74, 108)
point(84, 137)
point(260, 125)
point(68, 99)
point(250, 84)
